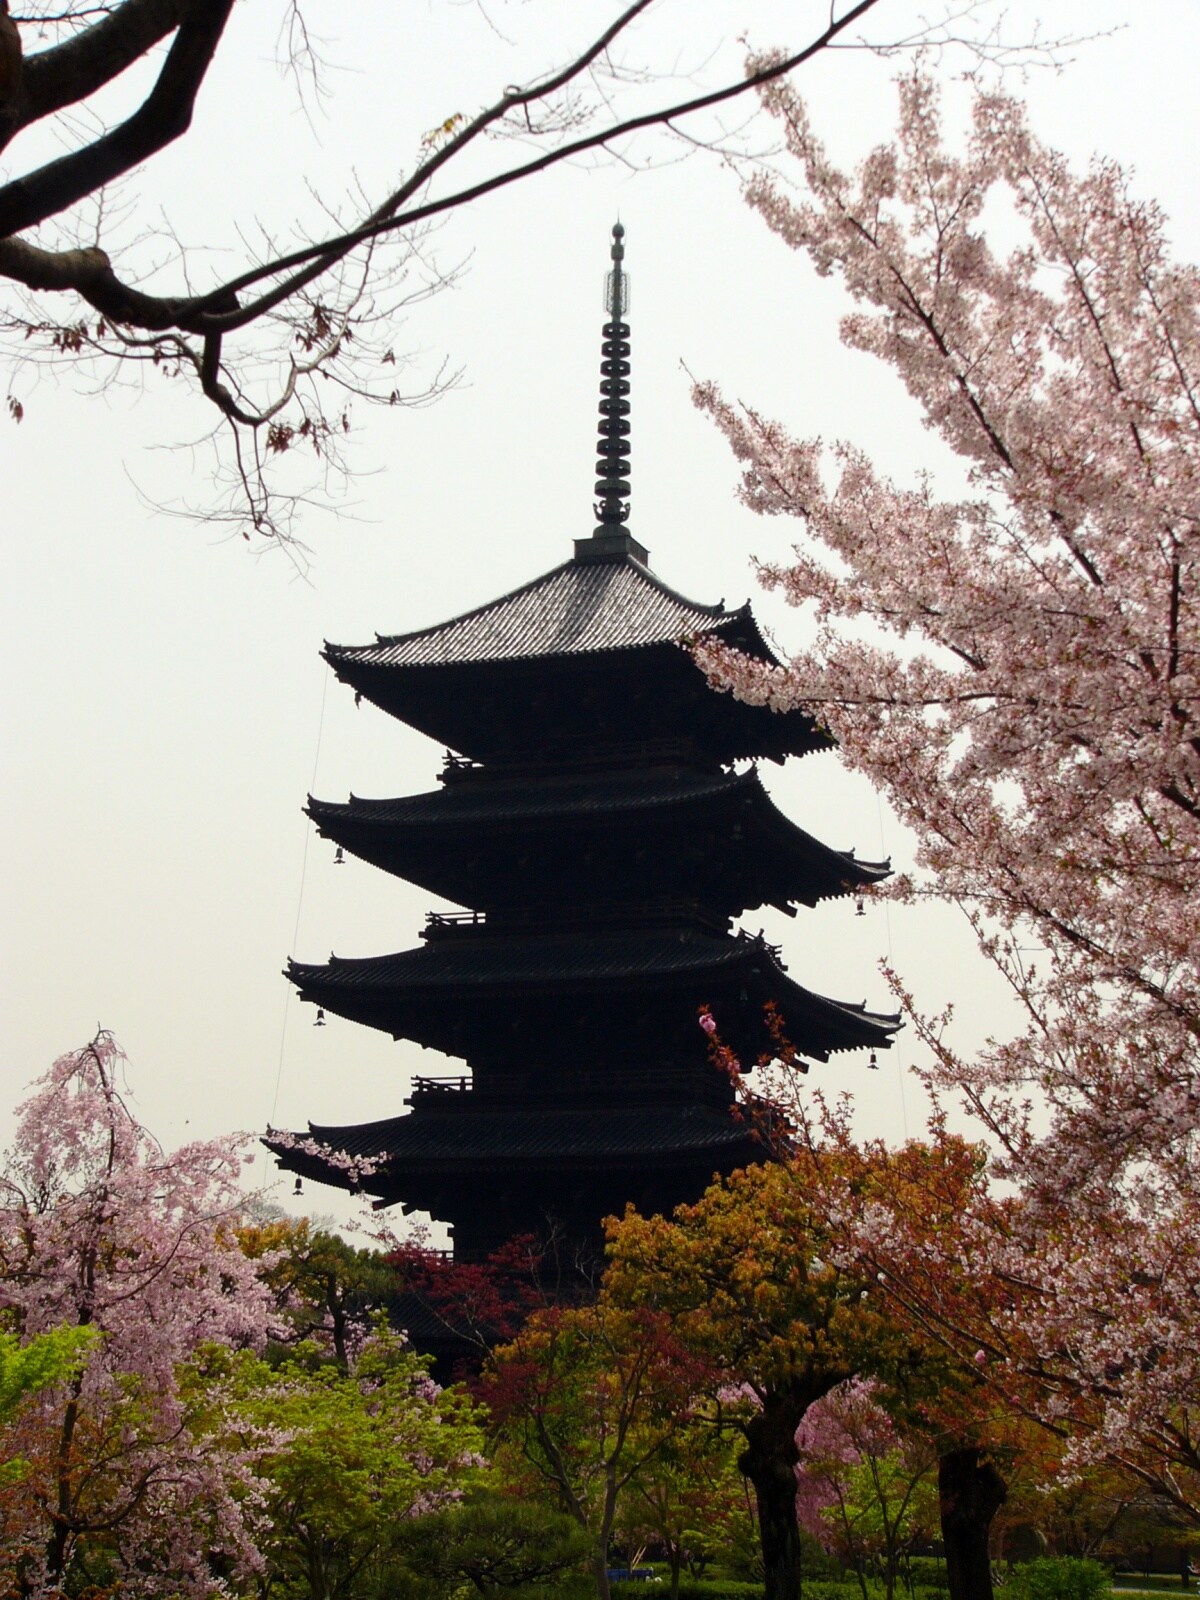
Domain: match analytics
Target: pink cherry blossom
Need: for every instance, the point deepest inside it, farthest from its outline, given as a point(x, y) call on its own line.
point(1017, 668)
point(99, 1226)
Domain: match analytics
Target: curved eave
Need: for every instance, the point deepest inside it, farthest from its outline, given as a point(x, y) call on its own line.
point(780, 863)
point(526, 707)
point(390, 1156)
point(410, 993)
point(591, 651)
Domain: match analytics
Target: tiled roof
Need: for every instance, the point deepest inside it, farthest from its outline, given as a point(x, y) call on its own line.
point(530, 1135)
point(579, 608)
point(487, 961)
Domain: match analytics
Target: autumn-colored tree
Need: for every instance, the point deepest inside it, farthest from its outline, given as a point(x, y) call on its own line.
point(584, 1398)
point(1017, 671)
point(101, 1229)
point(478, 1304)
point(751, 1285)
point(1090, 1513)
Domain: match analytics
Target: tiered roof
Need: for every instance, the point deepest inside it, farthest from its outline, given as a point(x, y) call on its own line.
point(593, 823)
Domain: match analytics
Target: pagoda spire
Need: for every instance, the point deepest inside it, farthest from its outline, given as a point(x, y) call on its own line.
point(612, 465)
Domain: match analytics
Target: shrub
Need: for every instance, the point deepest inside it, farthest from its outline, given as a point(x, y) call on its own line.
point(490, 1544)
point(1058, 1578)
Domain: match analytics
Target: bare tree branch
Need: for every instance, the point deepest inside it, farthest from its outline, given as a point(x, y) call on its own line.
point(280, 348)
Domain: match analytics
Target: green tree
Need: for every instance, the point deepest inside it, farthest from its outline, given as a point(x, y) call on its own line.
point(1059, 1578)
point(327, 1290)
point(28, 1369)
point(488, 1542)
point(690, 1500)
point(355, 1452)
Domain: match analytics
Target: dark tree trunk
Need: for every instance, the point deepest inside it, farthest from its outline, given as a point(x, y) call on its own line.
point(769, 1461)
point(970, 1491)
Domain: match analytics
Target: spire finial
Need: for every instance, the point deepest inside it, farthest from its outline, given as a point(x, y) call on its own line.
point(612, 465)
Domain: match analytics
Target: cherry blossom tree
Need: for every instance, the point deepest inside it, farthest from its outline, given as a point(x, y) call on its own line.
point(865, 1492)
point(1016, 669)
point(101, 1229)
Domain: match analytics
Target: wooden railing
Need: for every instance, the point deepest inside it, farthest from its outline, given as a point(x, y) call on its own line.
point(573, 918)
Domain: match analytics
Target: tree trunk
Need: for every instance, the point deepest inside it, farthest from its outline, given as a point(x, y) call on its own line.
point(769, 1461)
point(600, 1573)
point(970, 1491)
point(608, 1516)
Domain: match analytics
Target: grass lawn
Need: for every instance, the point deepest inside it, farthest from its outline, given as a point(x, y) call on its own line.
point(1134, 1583)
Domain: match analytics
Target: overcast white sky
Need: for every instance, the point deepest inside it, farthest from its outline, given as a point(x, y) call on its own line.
point(162, 688)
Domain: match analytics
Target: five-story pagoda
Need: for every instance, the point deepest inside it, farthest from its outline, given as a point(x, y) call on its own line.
point(592, 820)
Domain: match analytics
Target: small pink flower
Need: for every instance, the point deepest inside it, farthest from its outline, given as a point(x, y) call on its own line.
point(981, 1358)
point(708, 1023)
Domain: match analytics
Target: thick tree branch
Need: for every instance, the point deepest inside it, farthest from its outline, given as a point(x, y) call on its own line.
point(165, 114)
point(68, 73)
point(89, 274)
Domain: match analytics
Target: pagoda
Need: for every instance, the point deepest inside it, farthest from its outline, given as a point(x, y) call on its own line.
point(600, 819)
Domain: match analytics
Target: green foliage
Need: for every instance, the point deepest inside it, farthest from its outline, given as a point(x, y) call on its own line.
point(1058, 1578)
point(927, 1572)
point(326, 1290)
point(690, 1501)
point(29, 1369)
point(357, 1452)
point(824, 1588)
point(489, 1543)
point(41, 1362)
